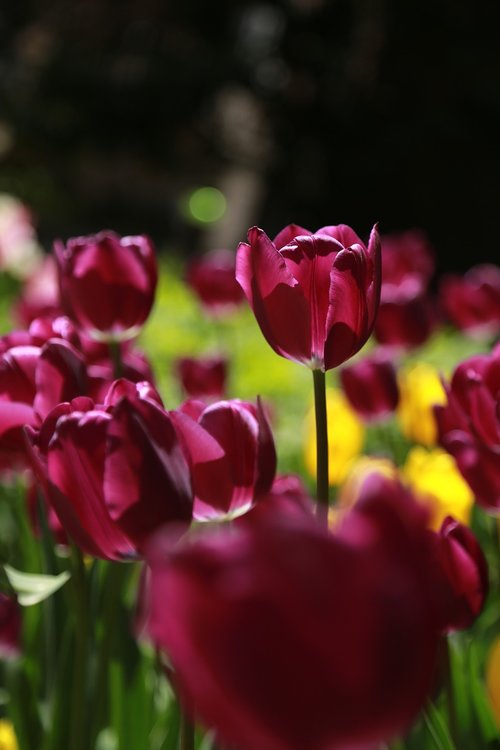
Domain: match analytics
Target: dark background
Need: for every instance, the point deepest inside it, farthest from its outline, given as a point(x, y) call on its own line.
point(308, 111)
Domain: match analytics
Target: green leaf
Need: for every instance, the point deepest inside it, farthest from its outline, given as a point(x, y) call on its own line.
point(32, 588)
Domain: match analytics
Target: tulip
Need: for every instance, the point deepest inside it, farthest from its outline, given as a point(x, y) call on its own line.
point(434, 477)
point(203, 377)
point(406, 317)
point(107, 283)
point(10, 627)
point(465, 571)
point(471, 301)
point(211, 279)
point(468, 425)
point(371, 386)
point(115, 473)
point(420, 390)
point(282, 635)
point(315, 296)
point(231, 453)
point(407, 255)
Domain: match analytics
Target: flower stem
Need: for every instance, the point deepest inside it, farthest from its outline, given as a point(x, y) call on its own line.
point(115, 353)
point(79, 696)
point(186, 735)
point(322, 480)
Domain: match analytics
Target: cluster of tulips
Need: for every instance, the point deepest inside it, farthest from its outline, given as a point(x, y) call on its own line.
point(278, 617)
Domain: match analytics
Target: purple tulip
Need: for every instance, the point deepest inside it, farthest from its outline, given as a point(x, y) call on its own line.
point(471, 302)
point(203, 377)
point(371, 387)
point(211, 278)
point(315, 296)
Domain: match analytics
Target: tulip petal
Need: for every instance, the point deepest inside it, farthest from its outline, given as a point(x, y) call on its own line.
point(278, 303)
point(288, 234)
point(61, 375)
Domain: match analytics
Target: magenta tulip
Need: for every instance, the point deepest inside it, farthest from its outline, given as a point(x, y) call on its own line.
point(211, 278)
point(471, 301)
point(465, 573)
point(231, 452)
point(407, 316)
point(107, 283)
point(371, 386)
point(469, 425)
point(203, 377)
point(407, 255)
point(10, 627)
point(284, 637)
point(114, 474)
point(315, 296)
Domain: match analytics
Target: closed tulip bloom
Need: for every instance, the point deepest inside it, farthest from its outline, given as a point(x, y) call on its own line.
point(407, 255)
point(315, 296)
point(284, 637)
point(107, 283)
point(407, 316)
point(469, 426)
point(114, 474)
point(211, 278)
point(465, 570)
point(371, 386)
point(203, 377)
point(232, 455)
point(471, 301)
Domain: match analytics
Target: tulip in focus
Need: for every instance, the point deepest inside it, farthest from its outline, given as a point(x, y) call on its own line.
point(493, 678)
point(346, 434)
point(283, 635)
point(371, 387)
point(211, 278)
point(107, 283)
point(315, 296)
point(231, 452)
point(435, 479)
point(420, 389)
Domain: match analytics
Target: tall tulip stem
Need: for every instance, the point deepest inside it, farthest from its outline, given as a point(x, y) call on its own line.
point(186, 739)
point(322, 480)
point(115, 353)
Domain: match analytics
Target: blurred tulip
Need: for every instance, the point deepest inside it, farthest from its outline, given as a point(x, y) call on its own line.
point(39, 296)
point(493, 678)
point(469, 426)
point(8, 739)
point(465, 571)
point(471, 301)
point(406, 318)
point(360, 469)
point(203, 377)
point(231, 453)
point(407, 255)
point(346, 434)
point(107, 283)
point(211, 278)
point(434, 477)
point(10, 627)
point(420, 389)
point(315, 296)
point(371, 386)
point(19, 247)
point(284, 636)
point(113, 474)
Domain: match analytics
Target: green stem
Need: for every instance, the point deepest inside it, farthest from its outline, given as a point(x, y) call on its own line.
point(322, 479)
point(79, 696)
point(448, 689)
point(115, 353)
point(186, 735)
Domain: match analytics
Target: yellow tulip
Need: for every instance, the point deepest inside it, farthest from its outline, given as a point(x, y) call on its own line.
point(346, 434)
point(8, 740)
point(493, 679)
point(420, 388)
point(435, 479)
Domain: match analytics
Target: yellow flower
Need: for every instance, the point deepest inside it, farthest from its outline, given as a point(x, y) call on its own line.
point(435, 479)
point(346, 434)
point(420, 388)
point(493, 678)
point(8, 739)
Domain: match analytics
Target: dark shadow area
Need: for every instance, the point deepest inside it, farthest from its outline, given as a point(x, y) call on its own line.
point(355, 111)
